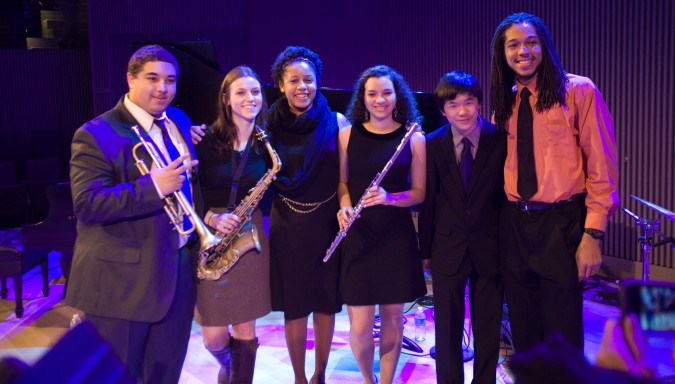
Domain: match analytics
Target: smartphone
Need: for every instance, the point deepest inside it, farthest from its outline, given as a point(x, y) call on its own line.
point(653, 302)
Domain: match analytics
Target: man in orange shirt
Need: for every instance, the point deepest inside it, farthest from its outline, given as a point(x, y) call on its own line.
point(560, 179)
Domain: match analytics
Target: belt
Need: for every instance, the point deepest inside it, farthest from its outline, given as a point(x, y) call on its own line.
point(526, 206)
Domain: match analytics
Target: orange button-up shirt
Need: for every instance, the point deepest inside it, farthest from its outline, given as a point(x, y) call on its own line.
point(574, 151)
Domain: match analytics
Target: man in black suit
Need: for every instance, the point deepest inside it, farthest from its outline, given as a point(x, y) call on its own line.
point(458, 227)
point(132, 273)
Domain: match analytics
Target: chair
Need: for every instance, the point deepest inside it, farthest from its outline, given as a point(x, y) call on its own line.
point(14, 263)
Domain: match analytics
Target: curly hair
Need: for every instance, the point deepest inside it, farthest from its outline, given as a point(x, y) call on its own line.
point(150, 53)
point(454, 83)
point(406, 105)
point(292, 54)
point(224, 130)
point(551, 77)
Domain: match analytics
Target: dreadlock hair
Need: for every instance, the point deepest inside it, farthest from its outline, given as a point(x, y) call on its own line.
point(551, 77)
point(406, 105)
point(224, 129)
point(293, 54)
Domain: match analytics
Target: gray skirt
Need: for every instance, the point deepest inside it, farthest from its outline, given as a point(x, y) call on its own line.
point(243, 293)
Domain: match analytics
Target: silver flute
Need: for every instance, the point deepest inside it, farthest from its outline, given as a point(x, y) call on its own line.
point(375, 183)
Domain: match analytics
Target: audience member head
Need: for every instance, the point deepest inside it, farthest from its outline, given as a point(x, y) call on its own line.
point(11, 369)
point(399, 102)
point(556, 361)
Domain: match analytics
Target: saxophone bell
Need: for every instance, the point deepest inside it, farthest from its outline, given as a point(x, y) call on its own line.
point(213, 265)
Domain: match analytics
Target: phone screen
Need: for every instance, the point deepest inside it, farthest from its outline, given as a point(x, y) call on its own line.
point(652, 302)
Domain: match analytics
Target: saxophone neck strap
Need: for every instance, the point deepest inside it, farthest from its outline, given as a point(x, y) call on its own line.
point(237, 170)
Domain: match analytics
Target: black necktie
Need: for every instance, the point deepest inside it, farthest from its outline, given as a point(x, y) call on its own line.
point(466, 162)
point(174, 154)
point(527, 174)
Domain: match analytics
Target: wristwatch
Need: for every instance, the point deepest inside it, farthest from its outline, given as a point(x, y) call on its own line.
point(595, 233)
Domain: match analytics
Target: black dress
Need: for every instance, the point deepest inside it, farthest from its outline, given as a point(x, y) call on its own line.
point(243, 293)
point(303, 221)
point(381, 263)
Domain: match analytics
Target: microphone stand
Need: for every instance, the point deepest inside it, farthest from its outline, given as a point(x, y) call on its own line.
point(646, 239)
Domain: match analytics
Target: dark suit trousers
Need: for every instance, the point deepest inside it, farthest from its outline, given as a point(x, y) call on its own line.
point(539, 269)
point(485, 298)
point(154, 352)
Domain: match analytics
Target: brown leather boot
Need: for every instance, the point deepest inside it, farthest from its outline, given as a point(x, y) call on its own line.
point(224, 358)
point(243, 360)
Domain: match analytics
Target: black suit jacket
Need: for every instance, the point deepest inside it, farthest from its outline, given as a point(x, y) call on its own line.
point(125, 263)
point(453, 219)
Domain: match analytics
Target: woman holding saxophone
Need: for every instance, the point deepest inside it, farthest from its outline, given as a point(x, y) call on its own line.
point(231, 163)
point(380, 263)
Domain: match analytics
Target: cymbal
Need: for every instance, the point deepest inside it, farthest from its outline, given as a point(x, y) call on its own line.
point(661, 210)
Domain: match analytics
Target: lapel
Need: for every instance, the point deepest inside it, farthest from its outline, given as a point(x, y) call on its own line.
point(486, 146)
point(450, 158)
point(125, 120)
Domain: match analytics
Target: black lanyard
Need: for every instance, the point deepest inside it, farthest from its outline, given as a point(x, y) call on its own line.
point(236, 175)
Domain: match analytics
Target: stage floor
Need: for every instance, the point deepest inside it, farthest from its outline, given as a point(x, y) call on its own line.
point(46, 319)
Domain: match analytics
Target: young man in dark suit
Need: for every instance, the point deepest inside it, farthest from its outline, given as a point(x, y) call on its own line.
point(458, 227)
point(132, 273)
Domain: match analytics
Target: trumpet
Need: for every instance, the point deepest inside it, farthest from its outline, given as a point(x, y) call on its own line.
point(375, 183)
point(176, 204)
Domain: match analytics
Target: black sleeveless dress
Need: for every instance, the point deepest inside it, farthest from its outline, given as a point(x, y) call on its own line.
point(381, 263)
point(243, 293)
point(303, 220)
